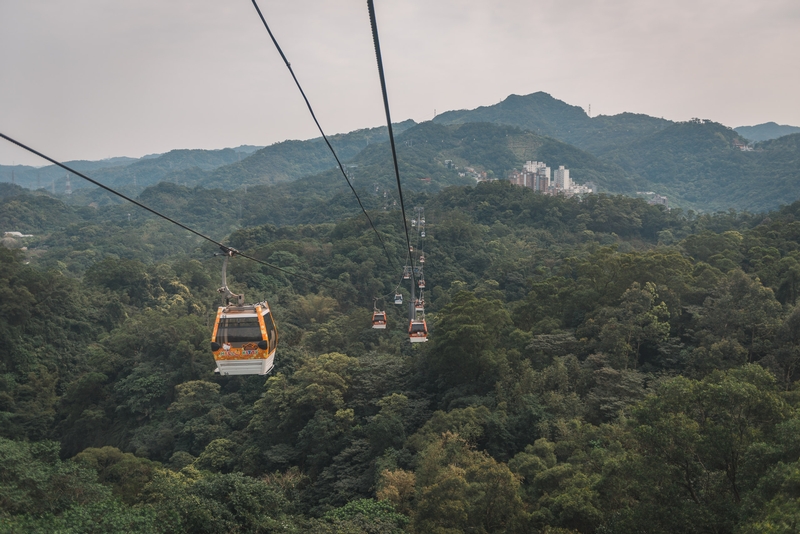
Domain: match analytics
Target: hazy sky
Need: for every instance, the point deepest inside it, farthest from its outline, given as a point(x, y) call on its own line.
point(90, 79)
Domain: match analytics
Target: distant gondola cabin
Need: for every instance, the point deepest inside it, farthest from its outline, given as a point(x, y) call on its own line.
point(418, 331)
point(379, 319)
point(244, 340)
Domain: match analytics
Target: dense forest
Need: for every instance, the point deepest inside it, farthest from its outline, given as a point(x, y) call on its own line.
point(594, 366)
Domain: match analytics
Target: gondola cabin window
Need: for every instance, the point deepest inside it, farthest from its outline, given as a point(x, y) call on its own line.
point(238, 330)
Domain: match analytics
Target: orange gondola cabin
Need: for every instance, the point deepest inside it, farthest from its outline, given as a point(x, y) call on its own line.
point(244, 340)
point(379, 319)
point(418, 331)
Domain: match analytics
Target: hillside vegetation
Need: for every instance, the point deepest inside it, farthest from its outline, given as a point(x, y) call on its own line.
point(594, 366)
point(766, 131)
point(697, 164)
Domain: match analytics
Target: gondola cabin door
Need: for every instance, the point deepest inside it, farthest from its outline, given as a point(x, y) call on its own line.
point(244, 340)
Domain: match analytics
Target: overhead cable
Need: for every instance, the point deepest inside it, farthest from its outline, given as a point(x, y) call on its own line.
point(375, 39)
point(225, 248)
point(319, 127)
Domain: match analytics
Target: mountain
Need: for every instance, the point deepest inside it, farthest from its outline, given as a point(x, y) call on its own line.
point(290, 160)
point(123, 172)
point(545, 115)
point(695, 164)
point(320, 198)
point(766, 131)
point(698, 165)
point(422, 150)
point(36, 177)
point(422, 153)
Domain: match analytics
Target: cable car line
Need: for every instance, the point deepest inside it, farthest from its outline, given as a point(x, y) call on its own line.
point(417, 328)
point(319, 127)
point(225, 248)
point(377, 44)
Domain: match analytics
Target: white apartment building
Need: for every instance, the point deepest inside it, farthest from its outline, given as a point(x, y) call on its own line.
point(561, 178)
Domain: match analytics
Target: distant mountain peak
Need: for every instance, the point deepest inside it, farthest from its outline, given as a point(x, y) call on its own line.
point(766, 131)
point(544, 114)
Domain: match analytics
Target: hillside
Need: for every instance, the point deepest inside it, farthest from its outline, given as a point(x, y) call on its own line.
point(593, 366)
point(423, 150)
point(45, 177)
point(695, 164)
point(289, 160)
point(545, 115)
point(766, 131)
point(121, 172)
point(698, 167)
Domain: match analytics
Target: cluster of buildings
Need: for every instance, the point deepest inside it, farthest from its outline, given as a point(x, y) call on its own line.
point(536, 175)
point(654, 198)
point(480, 176)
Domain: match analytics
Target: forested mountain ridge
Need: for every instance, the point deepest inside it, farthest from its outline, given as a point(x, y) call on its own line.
point(423, 151)
point(123, 171)
point(291, 160)
point(766, 131)
point(694, 163)
point(595, 366)
point(545, 115)
point(698, 165)
point(38, 177)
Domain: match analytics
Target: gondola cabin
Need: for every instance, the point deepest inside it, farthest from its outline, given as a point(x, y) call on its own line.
point(244, 340)
point(419, 304)
point(406, 273)
point(422, 258)
point(398, 298)
point(421, 283)
point(379, 320)
point(418, 331)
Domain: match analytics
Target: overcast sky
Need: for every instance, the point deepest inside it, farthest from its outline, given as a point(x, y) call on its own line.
point(91, 79)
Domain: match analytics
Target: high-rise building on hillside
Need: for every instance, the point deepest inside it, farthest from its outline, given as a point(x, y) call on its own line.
point(539, 172)
point(561, 176)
